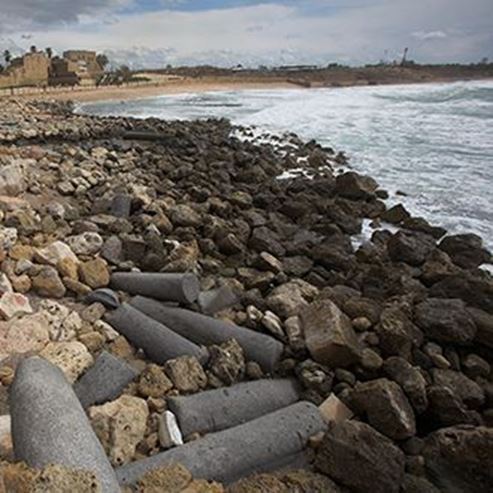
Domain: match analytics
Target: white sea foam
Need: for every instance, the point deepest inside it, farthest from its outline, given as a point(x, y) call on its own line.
point(433, 141)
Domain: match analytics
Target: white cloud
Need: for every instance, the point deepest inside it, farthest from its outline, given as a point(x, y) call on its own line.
point(358, 30)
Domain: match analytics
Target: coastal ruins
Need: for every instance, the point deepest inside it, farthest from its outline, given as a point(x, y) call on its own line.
point(177, 317)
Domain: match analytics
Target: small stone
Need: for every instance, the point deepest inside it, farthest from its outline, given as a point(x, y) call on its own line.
point(68, 268)
point(48, 283)
point(94, 341)
point(474, 366)
point(8, 238)
point(266, 261)
point(5, 284)
point(273, 324)
point(186, 373)
point(13, 304)
point(21, 284)
point(72, 358)
point(153, 382)
point(21, 252)
point(120, 425)
point(333, 409)
point(93, 312)
point(76, 286)
point(294, 332)
point(94, 273)
point(227, 362)
point(168, 431)
point(86, 243)
point(254, 371)
point(370, 360)
point(106, 330)
point(55, 253)
point(361, 324)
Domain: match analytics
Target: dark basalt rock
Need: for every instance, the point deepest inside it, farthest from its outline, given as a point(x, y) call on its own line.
point(465, 250)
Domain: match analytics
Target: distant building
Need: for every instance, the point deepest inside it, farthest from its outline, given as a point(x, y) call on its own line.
point(85, 64)
point(29, 70)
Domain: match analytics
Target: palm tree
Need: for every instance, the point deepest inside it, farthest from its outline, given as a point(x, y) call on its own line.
point(49, 52)
point(7, 56)
point(102, 59)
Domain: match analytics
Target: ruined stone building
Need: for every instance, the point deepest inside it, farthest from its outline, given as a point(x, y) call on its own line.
point(29, 70)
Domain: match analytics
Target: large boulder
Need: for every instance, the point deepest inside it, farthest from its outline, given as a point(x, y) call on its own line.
point(411, 248)
point(465, 250)
point(410, 378)
point(460, 459)
point(354, 186)
point(329, 335)
point(357, 456)
point(386, 407)
point(445, 320)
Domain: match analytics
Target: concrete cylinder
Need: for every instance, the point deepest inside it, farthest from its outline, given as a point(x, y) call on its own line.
point(182, 288)
point(205, 330)
point(104, 381)
point(262, 444)
point(219, 409)
point(158, 341)
point(49, 425)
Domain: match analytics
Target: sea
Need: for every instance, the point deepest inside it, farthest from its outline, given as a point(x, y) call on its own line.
point(431, 142)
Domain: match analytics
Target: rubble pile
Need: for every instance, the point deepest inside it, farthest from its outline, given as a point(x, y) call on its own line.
point(190, 303)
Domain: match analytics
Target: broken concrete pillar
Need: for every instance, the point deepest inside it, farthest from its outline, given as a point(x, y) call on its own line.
point(215, 300)
point(205, 330)
point(219, 409)
point(158, 341)
point(259, 445)
point(182, 288)
point(49, 425)
point(104, 381)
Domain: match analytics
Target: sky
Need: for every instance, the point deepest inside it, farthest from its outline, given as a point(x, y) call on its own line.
point(251, 32)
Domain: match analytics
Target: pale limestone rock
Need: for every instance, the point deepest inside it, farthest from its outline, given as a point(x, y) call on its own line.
point(333, 409)
point(54, 253)
point(168, 431)
point(13, 304)
point(120, 425)
point(72, 358)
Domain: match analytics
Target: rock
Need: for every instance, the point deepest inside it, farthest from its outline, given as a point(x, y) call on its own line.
point(8, 238)
point(186, 373)
point(230, 244)
point(370, 360)
point(466, 389)
point(153, 382)
point(273, 324)
point(354, 186)
point(93, 340)
point(329, 335)
point(67, 268)
point(265, 240)
point(94, 273)
point(183, 215)
point(484, 324)
point(445, 408)
point(395, 214)
point(386, 407)
point(474, 366)
point(296, 339)
point(112, 250)
point(105, 296)
point(48, 283)
point(86, 243)
point(227, 362)
point(120, 425)
point(55, 253)
point(5, 284)
point(460, 459)
point(266, 261)
point(6, 446)
point(13, 178)
point(397, 334)
point(465, 250)
point(417, 484)
point(411, 248)
point(23, 335)
point(72, 358)
point(445, 320)
point(410, 379)
point(13, 304)
point(297, 266)
point(333, 409)
point(168, 431)
point(360, 458)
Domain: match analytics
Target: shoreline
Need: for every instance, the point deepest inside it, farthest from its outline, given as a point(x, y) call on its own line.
point(186, 86)
point(396, 332)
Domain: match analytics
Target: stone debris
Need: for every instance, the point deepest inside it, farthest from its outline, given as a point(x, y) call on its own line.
point(246, 277)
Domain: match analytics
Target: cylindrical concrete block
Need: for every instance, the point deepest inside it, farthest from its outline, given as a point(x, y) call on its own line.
point(49, 425)
point(219, 409)
point(182, 288)
point(205, 330)
point(246, 449)
point(158, 341)
point(104, 381)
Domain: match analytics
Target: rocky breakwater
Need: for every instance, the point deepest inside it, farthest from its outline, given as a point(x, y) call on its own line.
point(388, 342)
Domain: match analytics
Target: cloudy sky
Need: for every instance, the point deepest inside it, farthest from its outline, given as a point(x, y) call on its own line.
point(155, 32)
